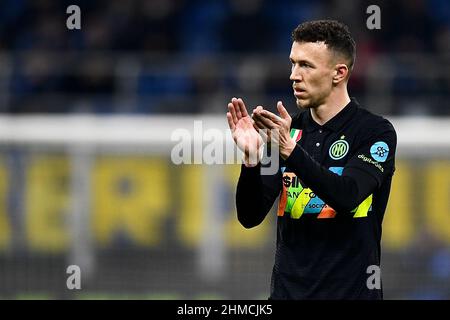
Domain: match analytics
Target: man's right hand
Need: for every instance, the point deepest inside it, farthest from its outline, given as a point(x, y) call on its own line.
point(243, 131)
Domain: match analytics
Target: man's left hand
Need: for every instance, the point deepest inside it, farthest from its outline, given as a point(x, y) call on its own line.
point(281, 124)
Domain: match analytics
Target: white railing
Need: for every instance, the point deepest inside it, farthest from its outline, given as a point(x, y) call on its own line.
point(416, 135)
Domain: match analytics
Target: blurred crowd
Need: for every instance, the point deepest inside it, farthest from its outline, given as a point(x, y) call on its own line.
point(180, 56)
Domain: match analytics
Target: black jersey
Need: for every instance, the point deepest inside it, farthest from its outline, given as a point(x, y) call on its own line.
point(332, 190)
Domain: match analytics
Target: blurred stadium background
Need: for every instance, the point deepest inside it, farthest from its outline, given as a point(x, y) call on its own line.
point(86, 120)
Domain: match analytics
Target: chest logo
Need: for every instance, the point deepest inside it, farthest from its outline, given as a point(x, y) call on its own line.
point(338, 149)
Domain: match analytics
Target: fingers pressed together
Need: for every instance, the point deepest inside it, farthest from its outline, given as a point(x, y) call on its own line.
point(262, 119)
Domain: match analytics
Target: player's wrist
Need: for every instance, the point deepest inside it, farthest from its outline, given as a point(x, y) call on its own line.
point(286, 150)
point(252, 159)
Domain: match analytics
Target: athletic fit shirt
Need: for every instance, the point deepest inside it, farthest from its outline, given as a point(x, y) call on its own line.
point(332, 193)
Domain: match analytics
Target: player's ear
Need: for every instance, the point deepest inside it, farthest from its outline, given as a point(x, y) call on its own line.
point(340, 73)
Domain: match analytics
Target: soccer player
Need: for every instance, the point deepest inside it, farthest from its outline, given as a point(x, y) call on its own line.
point(333, 183)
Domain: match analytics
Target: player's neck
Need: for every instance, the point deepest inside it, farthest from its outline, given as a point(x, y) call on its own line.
point(334, 104)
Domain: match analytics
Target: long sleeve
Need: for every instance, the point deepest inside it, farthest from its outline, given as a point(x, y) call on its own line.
point(361, 175)
point(255, 195)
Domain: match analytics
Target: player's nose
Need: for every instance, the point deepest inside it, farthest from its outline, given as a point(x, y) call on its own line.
point(295, 75)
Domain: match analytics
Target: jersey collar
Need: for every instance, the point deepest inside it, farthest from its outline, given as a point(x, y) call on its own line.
point(337, 122)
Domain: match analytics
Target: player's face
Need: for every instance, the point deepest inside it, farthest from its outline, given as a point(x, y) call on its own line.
point(312, 73)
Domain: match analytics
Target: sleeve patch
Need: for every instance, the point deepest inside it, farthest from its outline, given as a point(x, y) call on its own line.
point(379, 151)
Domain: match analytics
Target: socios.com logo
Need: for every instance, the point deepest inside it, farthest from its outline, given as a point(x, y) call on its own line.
point(379, 151)
point(338, 149)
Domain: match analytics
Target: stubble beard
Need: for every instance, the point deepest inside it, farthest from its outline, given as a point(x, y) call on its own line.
point(305, 105)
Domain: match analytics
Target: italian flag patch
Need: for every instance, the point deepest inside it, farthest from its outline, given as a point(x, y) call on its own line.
point(296, 134)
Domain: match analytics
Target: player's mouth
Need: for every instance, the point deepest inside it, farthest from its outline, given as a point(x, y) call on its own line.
point(299, 92)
